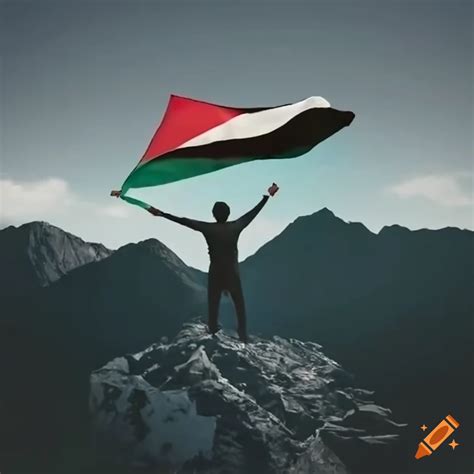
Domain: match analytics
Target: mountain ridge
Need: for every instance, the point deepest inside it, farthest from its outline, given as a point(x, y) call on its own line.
point(394, 308)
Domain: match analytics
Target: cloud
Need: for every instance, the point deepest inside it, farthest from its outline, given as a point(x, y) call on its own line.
point(454, 190)
point(34, 199)
point(116, 210)
point(22, 201)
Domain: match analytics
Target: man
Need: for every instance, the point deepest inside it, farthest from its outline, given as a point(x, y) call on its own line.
point(222, 237)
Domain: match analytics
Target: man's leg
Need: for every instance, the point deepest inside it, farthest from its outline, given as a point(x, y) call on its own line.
point(214, 291)
point(239, 304)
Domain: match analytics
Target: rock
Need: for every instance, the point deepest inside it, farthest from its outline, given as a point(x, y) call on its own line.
point(197, 368)
point(372, 416)
point(318, 459)
point(210, 404)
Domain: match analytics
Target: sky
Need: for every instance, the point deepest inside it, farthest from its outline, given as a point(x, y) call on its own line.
point(85, 84)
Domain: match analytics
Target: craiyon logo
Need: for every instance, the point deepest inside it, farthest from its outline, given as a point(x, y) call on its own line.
point(438, 435)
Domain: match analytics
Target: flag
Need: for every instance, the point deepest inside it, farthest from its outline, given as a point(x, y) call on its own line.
point(197, 137)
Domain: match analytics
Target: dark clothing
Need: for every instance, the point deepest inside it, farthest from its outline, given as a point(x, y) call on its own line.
point(222, 238)
point(220, 279)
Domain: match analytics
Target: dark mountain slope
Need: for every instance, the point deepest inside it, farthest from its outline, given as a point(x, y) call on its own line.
point(396, 308)
point(119, 304)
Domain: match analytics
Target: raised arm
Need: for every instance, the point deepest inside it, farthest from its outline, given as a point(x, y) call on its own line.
point(246, 219)
point(190, 223)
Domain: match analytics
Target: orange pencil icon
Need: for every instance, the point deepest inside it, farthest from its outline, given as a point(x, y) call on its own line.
point(436, 437)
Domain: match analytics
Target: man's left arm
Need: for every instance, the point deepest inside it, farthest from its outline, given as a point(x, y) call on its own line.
point(247, 218)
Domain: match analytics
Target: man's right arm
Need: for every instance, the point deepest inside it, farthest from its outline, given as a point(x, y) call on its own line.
point(190, 223)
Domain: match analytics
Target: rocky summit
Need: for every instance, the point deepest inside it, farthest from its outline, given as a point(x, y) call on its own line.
point(211, 404)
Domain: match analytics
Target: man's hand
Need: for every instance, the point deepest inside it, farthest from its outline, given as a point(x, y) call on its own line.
point(154, 211)
point(272, 190)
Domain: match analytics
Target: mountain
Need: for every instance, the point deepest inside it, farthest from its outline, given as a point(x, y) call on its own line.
point(394, 308)
point(52, 336)
point(89, 299)
point(36, 254)
point(37, 406)
point(207, 404)
point(121, 303)
point(399, 299)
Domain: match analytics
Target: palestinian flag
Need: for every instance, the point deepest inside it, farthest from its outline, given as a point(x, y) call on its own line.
point(197, 137)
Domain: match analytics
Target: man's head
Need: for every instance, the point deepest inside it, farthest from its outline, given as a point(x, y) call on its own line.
point(220, 211)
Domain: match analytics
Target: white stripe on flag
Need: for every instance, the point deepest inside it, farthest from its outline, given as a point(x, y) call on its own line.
point(255, 124)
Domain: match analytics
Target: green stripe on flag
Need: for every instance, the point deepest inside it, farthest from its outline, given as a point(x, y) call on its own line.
point(135, 202)
point(169, 170)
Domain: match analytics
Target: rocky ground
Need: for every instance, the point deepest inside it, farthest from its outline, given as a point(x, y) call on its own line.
point(210, 404)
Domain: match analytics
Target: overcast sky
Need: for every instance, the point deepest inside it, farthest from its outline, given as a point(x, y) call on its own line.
point(84, 85)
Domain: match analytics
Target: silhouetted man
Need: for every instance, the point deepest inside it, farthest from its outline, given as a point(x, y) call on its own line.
point(222, 237)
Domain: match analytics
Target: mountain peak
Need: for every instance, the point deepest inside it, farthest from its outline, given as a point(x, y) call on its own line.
point(38, 253)
point(41, 224)
point(323, 216)
point(394, 229)
point(324, 212)
point(154, 253)
point(150, 246)
point(28, 226)
point(259, 397)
